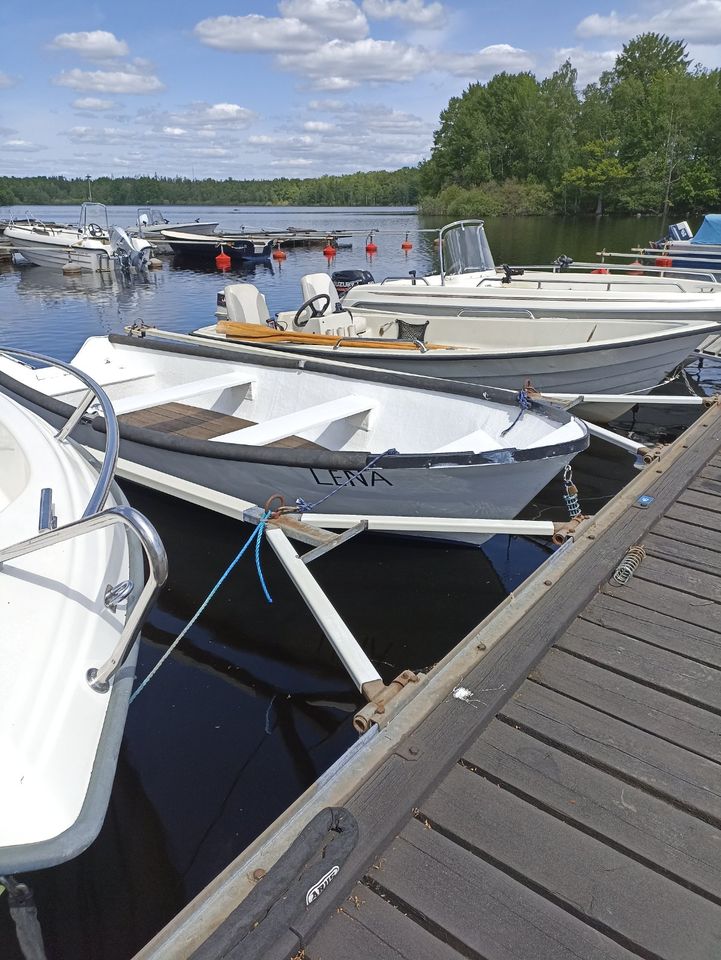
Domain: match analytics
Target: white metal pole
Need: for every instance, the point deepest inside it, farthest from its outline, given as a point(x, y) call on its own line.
point(623, 442)
point(683, 400)
point(344, 643)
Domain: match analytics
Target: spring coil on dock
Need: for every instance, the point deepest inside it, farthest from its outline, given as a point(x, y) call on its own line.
point(570, 497)
point(629, 565)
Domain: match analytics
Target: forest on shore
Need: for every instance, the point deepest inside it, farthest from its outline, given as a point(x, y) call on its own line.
point(645, 138)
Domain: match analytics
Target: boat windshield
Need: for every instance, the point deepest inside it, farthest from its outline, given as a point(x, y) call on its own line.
point(93, 215)
point(464, 248)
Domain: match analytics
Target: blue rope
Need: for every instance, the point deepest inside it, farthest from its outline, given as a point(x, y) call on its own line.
point(525, 402)
point(304, 507)
point(256, 535)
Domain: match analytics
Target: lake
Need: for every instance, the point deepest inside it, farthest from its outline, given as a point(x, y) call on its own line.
point(253, 706)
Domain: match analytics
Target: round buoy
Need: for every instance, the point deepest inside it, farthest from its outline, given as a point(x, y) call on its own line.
point(155, 264)
point(329, 250)
point(222, 261)
point(635, 273)
point(600, 270)
point(371, 247)
point(279, 254)
point(406, 245)
point(663, 262)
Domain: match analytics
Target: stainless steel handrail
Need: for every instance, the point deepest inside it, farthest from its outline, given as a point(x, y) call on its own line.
point(99, 679)
point(689, 273)
point(107, 470)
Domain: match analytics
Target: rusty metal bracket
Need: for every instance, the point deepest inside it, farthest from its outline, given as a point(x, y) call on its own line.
point(409, 751)
point(651, 454)
point(379, 696)
point(568, 528)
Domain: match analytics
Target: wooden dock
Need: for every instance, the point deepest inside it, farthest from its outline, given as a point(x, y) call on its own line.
point(554, 788)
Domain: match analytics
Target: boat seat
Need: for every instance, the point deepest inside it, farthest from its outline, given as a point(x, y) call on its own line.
point(182, 392)
point(246, 304)
point(313, 284)
point(477, 441)
point(293, 423)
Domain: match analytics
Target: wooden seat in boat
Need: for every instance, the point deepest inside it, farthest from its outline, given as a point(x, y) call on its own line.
point(182, 391)
point(183, 420)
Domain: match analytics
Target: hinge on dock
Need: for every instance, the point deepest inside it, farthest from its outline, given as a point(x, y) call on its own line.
point(566, 530)
point(379, 696)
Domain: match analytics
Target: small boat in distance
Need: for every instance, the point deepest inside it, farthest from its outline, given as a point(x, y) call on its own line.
point(207, 248)
point(92, 245)
point(151, 223)
point(699, 251)
point(245, 422)
point(74, 596)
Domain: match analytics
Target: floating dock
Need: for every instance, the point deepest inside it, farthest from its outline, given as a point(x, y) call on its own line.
point(552, 790)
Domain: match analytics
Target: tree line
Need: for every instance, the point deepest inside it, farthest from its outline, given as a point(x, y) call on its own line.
point(646, 138)
point(376, 188)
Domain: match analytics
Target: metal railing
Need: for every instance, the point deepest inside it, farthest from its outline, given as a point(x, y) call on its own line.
point(95, 518)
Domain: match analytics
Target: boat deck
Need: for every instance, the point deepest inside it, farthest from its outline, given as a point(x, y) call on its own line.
point(554, 790)
point(182, 419)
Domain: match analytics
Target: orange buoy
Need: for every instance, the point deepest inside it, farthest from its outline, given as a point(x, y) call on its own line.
point(222, 261)
point(279, 254)
point(329, 250)
point(600, 270)
point(663, 262)
point(635, 273)
point(406, 245)
point(370, 246)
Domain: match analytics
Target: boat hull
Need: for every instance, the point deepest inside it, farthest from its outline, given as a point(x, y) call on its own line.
point(60, 255)
point(619, 368)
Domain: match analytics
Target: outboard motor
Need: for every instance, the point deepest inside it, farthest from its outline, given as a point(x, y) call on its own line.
point(343, 280)
point(131, 251)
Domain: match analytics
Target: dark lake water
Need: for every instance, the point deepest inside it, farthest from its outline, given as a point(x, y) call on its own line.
point(253, 705)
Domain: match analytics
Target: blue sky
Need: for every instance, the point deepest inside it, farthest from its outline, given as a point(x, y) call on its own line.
point(286, 88)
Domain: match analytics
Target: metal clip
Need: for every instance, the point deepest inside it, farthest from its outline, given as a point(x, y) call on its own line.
point(114, 595)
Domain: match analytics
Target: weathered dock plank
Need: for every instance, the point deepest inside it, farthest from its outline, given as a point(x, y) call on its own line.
point(570, 806)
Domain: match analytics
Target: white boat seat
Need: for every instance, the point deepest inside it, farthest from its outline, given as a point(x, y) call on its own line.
point(246, 304)
point(293, 423)
point(313, 284)
point(477, 441)
point(182, 392)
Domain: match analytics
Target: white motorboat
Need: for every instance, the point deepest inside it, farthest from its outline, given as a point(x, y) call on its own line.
point(92, 245)
point(470, 285)
point(152, 222)
point(252, 424)
point(508, 349)
point(73, 595)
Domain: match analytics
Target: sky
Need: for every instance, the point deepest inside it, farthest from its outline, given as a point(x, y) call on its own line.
point(294, 88)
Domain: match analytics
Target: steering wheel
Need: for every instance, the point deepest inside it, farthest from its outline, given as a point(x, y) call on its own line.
point(314, 310)
point(95, 230)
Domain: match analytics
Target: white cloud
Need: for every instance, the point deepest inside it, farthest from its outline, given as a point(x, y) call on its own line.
point(339, 65)
point(95, 44)
point(485, 62)
point(127, 79)
point(412, 11)
point(341, 19)
point(317, 126)
point(6, 81)
point(97, 135)
point(21, 146)
point(219, 114)
point(326, 105)
point(209, 152)
point(92, 104)
point(292, 162)
point(589, 64)
point(253, 32)
point(695, 20)
point(175, 132)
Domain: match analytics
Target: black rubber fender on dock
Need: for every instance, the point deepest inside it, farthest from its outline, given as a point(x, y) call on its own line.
point(291, 889)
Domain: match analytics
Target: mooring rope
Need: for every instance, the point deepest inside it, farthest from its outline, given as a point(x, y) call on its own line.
point(525, 403)
point(256, 535)
point(304, 507)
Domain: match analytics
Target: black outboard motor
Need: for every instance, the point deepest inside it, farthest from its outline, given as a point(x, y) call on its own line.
point(343, 280)
point(563, 262)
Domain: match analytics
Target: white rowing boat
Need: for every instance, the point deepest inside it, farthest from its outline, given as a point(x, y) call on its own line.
point(253, 424)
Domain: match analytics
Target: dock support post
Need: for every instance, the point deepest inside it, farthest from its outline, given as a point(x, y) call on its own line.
point(640, 450)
